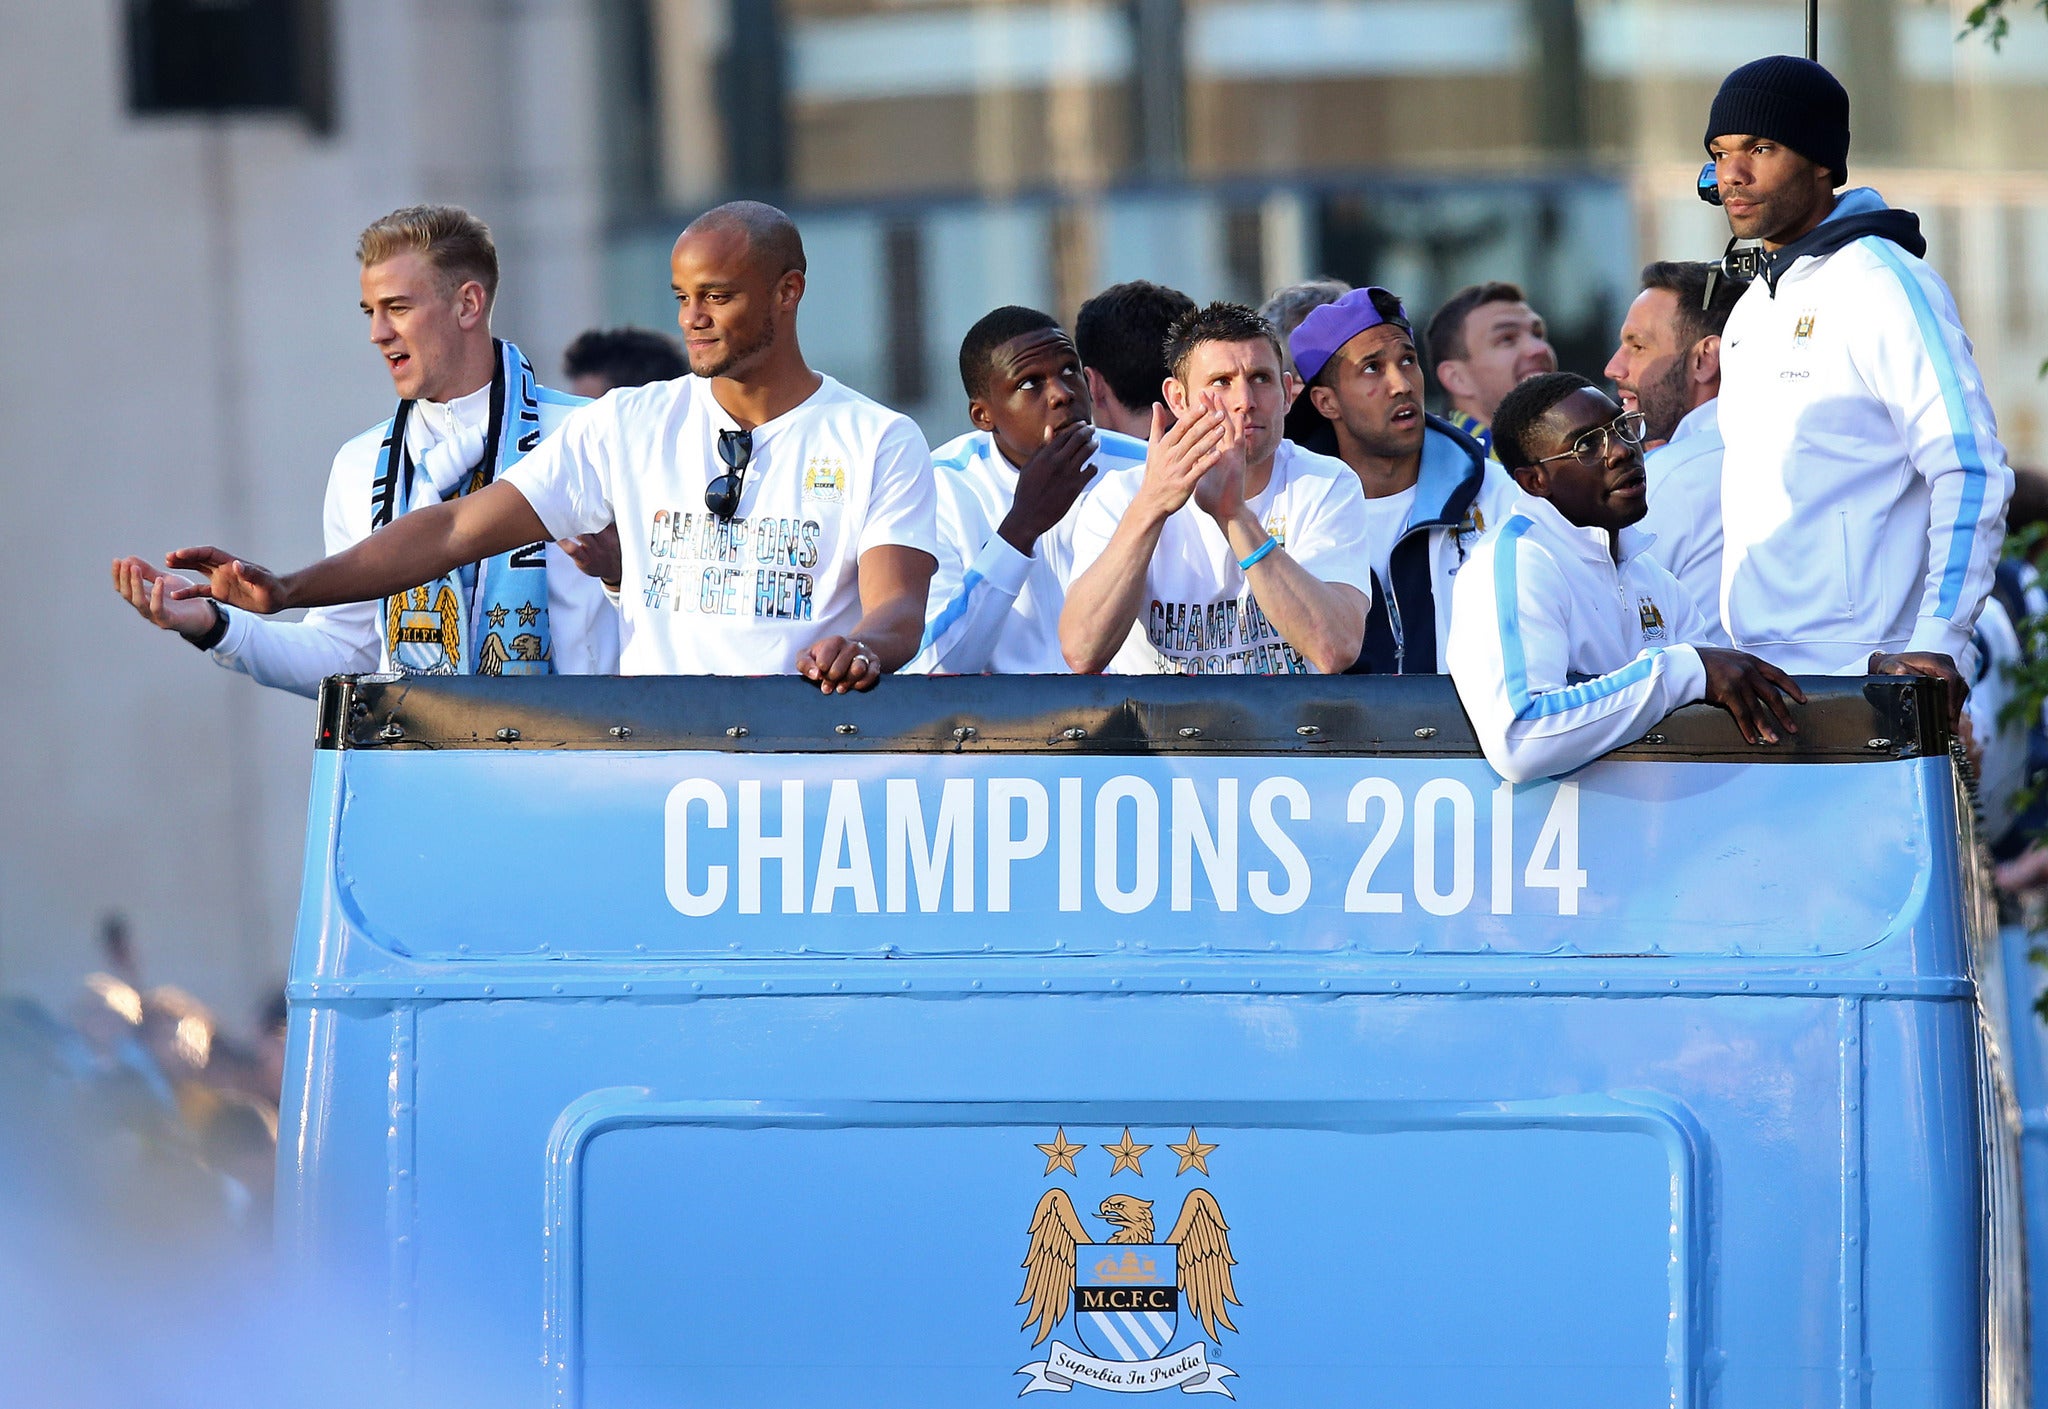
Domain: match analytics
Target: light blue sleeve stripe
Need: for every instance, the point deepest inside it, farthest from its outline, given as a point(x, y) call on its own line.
point(953, 611)
point(1506, 602)
point(1963, 538)
point(1592, 691)
point(1514, 665)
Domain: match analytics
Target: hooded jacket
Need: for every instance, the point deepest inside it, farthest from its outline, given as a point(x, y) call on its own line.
point(1864, 487)
point(1459, 494)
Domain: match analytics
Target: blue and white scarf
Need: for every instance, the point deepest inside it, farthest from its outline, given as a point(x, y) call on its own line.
point(487, 618)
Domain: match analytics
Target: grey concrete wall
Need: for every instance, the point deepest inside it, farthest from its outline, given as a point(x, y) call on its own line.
point(180, 355)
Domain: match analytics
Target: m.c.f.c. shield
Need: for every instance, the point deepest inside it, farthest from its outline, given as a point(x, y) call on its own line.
point(1127, 1299)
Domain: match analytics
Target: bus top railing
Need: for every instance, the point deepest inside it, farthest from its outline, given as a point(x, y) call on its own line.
point(1844, 720)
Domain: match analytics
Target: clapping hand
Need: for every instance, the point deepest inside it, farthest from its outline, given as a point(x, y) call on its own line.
point(1178, 456)
point(1219, 493)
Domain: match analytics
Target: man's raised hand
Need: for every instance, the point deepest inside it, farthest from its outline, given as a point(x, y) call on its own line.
point(229, 580)
point(1219, 493)
point(1051, 480)
point(1753, 691)
point(1177, 457)
point(153, 593)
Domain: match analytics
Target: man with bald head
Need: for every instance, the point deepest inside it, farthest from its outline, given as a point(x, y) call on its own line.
point(771, 520)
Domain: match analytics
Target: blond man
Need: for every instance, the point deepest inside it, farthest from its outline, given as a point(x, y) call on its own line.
point(469, 408)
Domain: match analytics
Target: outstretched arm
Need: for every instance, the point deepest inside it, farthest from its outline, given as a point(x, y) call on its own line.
point(285, 655)
point(418, 547)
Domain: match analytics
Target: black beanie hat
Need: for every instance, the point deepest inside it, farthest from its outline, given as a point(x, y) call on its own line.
point(1794, 101)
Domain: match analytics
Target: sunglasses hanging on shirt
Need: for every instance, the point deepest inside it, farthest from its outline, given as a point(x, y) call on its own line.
point(735, 452)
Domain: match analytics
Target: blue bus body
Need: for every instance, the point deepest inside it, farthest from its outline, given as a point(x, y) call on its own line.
point(716, 1043)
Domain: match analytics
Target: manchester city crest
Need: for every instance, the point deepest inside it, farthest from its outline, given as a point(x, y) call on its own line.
point(1651, 619)
point(1144, 1307)
point(424, 630)
point(824, 479)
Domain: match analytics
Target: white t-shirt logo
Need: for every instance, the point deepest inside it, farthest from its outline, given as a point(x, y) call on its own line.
point(824, 479)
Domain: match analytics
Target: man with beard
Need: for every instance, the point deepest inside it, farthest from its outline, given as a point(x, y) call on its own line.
point(1429, 491)
point(1570, 640)
point(1483, 342)
point(1864, 491)
point(1669, 368)
point(1232, 548)
point(469, 406)
point(772, 521)
point(1006, 497)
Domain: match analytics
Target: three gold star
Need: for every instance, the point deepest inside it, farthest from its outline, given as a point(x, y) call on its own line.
point(1059, 1154)
point(1193, 1155)
point(1126, 1155)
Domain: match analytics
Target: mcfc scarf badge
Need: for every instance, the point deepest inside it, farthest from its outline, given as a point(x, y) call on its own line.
point(487, 618)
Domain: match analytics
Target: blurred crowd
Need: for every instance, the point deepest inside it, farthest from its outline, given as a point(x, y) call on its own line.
point(140, 1093)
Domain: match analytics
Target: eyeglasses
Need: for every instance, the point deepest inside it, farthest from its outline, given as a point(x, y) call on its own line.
point(1630, 428)
point(722, 495)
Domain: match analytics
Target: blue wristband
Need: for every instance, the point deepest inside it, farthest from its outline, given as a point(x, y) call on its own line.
point(1247, 564)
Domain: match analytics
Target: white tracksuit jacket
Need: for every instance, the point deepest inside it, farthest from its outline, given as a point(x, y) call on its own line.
point(1560, 653)
point(991, 609)
point(1863, 487)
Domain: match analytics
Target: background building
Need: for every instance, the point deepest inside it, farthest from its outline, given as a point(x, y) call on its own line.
point(182, 352)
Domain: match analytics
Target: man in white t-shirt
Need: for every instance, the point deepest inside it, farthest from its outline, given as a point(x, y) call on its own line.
point(469, 405)
point(771, 520)
point(1008, 492)
point(1233, 549)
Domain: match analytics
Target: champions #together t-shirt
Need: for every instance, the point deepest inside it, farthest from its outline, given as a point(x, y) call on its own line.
point(1199, 616)
point(701, 595)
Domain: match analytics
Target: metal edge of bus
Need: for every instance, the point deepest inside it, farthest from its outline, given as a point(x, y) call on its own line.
point(1845, 719)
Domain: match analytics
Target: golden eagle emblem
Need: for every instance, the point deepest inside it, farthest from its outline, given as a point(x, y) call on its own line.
point(1057, 1235)
point(410, 620)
